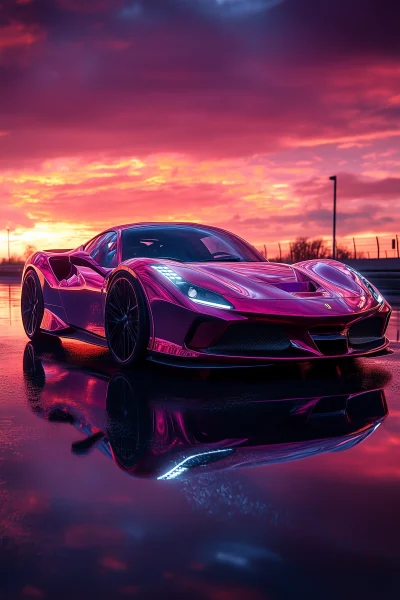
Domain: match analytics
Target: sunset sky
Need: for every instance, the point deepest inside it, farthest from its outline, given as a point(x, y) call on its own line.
point(228, 112)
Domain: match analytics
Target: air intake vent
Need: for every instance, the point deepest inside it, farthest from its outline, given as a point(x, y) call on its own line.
point(366, 331)
point(247, 339)
point(331, 346)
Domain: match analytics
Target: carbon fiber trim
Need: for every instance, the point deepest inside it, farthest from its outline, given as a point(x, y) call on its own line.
point(366, 331)
point(250, 338)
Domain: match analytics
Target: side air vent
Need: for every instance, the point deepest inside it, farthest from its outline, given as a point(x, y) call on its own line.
point(61, 266)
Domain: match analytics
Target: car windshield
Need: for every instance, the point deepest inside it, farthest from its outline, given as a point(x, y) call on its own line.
point(186, 244)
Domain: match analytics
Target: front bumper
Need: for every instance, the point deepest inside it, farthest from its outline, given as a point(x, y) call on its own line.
point(238, 338)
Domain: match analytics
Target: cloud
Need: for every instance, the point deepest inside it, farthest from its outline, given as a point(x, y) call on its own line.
point(352, 187)
point(110, 97)
point(173, 80)
point(224, 103)
point(319, 220)
point(173, 188)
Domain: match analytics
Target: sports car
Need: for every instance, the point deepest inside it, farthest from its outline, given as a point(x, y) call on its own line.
point(196, 295)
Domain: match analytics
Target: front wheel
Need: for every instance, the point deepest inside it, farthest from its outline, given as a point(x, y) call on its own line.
point(126, 320)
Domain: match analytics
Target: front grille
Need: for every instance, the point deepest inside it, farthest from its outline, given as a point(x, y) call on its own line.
point(326, 329)
point(366, 331)
point(252, 339)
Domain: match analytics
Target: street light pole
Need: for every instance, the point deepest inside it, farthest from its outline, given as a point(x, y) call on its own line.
point(333, 178)
point(8, 243)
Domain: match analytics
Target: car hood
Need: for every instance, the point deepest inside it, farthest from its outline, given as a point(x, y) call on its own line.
point(274, 281)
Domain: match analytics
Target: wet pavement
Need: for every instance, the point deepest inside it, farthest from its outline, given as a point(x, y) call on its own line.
point(161, 484)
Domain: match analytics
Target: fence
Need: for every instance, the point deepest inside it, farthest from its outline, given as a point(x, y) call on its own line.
point(347, 247)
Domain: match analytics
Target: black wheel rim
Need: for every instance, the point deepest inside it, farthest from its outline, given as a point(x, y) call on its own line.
point(122, 319)
point(30, 305)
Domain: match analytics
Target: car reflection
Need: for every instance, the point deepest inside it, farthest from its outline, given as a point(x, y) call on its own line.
point(156, 425)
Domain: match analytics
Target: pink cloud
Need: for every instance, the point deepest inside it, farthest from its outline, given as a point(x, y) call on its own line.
point(250, 109)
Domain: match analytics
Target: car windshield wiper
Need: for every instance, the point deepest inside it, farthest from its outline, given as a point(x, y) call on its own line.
point(169, 258)
point(230, 258)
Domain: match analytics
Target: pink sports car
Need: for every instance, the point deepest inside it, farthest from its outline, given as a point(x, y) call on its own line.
point(196, 295)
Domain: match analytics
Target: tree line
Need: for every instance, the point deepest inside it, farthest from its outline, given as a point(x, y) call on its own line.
point(304, 248)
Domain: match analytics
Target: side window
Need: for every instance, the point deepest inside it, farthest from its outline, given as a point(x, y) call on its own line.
point(90, 245)
point(215, 244)
point(104, 251)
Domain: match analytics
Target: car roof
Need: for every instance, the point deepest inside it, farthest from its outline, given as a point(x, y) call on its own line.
point(168, 224)
point(164, 224)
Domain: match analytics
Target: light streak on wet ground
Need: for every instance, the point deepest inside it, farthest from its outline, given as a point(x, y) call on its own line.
point(116, 486)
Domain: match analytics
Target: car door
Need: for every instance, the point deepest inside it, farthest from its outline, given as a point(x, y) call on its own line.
point(82, 293)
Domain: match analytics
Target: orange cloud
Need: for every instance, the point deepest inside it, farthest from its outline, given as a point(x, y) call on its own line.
point(49, 204)
point(344, 141)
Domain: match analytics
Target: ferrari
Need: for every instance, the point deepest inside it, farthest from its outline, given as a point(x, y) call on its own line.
point(195, 295)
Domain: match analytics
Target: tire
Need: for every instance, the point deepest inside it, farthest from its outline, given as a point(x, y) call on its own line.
point(32, 306)
point(126, 320)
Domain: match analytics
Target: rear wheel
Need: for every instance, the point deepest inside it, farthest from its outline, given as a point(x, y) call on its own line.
point(126, 320)
point(32, 306)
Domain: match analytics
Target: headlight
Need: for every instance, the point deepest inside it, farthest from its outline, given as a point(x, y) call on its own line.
point(195, 293)
point(368, 285)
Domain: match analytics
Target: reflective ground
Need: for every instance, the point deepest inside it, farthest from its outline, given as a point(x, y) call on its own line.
point(161, 484)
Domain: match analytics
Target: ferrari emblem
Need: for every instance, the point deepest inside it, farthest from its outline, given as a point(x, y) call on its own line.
point(328, 305)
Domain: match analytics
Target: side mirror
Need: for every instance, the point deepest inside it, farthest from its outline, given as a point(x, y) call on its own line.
point(84, 260)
